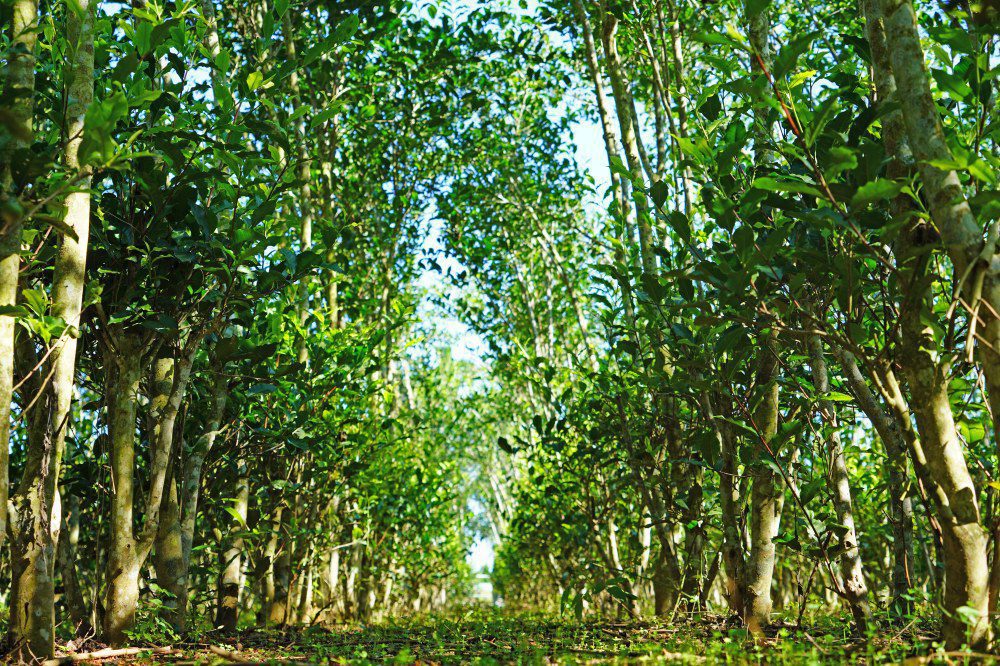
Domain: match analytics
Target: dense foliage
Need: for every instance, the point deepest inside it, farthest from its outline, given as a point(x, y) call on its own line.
point(749, 364)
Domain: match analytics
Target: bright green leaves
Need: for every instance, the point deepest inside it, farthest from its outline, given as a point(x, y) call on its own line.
point(255, 81)
point(786, 185)
point(345, 29)
point(788, 57)
point(99, 146)
point(875, 191)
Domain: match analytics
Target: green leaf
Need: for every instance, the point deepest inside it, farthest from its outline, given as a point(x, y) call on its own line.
point(659, 191)
point(346, 29)
point(236, 516)
point(875, 190)
point(680, 224)
point(620, 594)
point(37, 300)
point(811, 490)
point(770, 184)
point(255, 80)
point(617, 166)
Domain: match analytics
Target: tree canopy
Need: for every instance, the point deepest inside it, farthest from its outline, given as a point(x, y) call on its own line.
point(685, 309)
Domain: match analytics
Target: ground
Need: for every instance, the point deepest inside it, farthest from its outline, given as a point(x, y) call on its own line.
point(488, 638)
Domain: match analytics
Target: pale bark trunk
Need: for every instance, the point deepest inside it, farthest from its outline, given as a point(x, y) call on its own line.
point(852, 572)
point(124, 558)
point(900, 504)
point(758, 32)
point(927, 372)
point(180, 513)
point(277, 612)
point(304, 198)
point(767, 495)
point(168, 559)
point(269, 554)
point(230, 582)
point(630, 140)
point(620, 187)
point(128, 552)
point(730, 506)
point(603, 109)
point(966, 577)
point(69, 538)
point(36, 519)
point(677, 57)
point(167, 553)
point(19, 94)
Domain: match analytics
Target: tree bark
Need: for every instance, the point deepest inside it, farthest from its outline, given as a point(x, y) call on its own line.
point(767, 494)
point(231, 580)
point(69, 538)
point(124, 556)
point(852, 571)
point(37, 519)
point(900, 504)
point(630, 140)
point(19, 94)
point(128, 552)
point(928, 371)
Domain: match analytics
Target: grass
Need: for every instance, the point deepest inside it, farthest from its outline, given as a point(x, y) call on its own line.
point(481, 637)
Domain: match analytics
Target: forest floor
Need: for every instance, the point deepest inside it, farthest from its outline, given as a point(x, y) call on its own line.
point(530, 639)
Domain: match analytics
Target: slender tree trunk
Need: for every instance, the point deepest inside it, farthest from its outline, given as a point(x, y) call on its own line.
point(168, 559)
point(677, 58)
point(178, 518)
point(730, 505)
point(928, 372)
point(767, 494)
point(666, 580)
point(69, 539)
point(128, 552)
point(304, 169)
point(630, 140)
point(167, 554)
point(19, 97)
point(36, 517)
point(227, 611)
point(900, 504)
point(277, 612)
point(851, 567)
point(124, 558)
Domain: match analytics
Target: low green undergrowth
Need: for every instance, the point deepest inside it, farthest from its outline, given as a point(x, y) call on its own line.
point(490, 638)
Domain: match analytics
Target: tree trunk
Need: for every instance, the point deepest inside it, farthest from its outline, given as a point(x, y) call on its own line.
point(69, 537)
point(230, 582)
point(167, 553)
point(666, 582)
point(124, 558)
point(177, 520)
point(928, 372)
point(767, 495)
point(900, 504)
point(19, 89)
point(730, 506)
point(630, 140)
point(277, 613)
point(37, 518)
point(852, 572)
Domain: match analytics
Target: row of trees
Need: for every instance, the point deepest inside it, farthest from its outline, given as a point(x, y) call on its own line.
point(216, 399)
point(768, 373)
